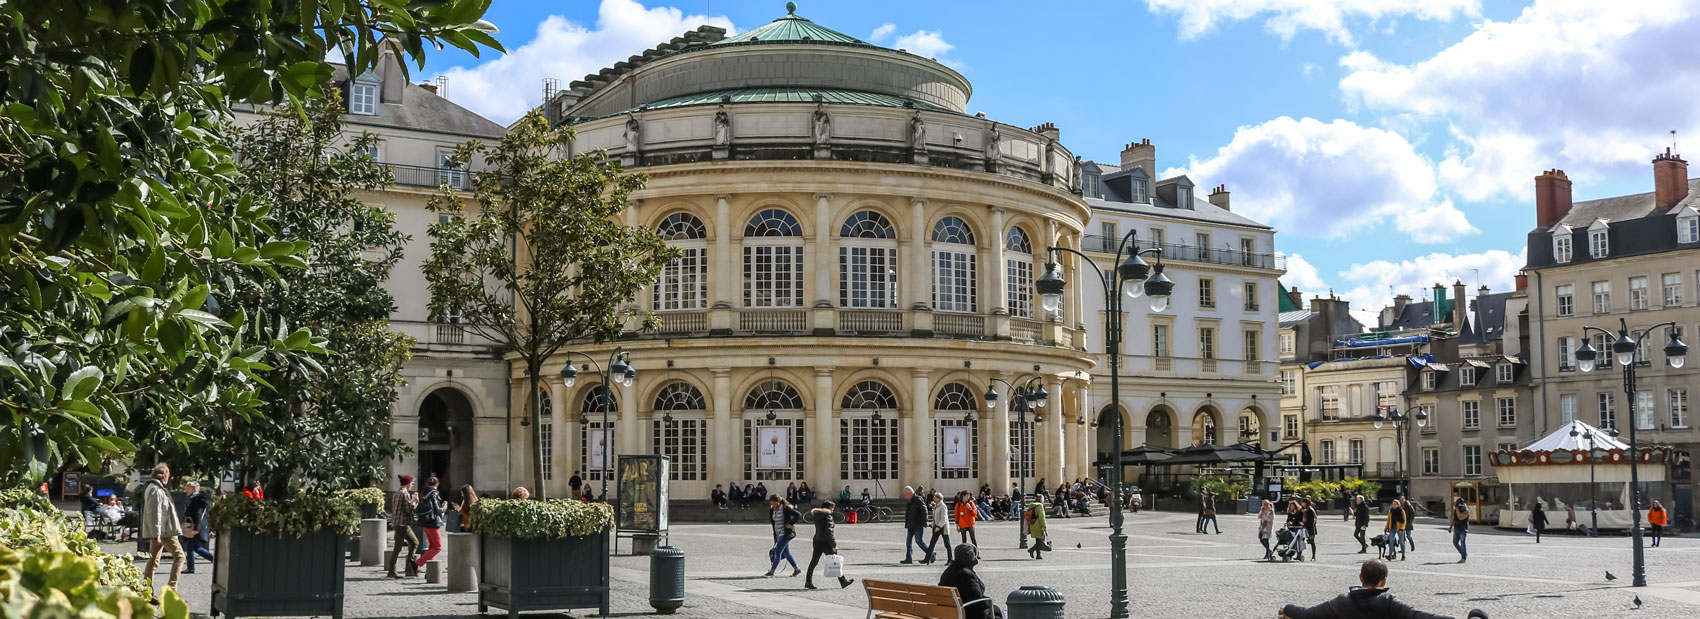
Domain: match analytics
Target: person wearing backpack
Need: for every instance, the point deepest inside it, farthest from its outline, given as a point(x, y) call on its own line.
point(429, 515)
point(402, 504)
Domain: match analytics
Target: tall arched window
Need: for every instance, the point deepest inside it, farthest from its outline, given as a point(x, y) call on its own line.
point(954, 278)
point(596, 437)
point(867, 262)
point(956, 433)
point(773, 448)
point(684, 439)
point(867, 432)
point(546, 435)
point(1018, 260)
point(773, 260)
point(684, 281)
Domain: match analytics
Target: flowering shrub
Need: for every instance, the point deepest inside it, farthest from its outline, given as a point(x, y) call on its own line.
point(541, 520)
point(303, 513)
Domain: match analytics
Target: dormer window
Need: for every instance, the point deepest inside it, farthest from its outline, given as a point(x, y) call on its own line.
point(1141, 191)
point(1184, 197)
point(1505, 373)
point(1561, 241)
point(363, 95)
point(1688, 226)
point(1598, 244)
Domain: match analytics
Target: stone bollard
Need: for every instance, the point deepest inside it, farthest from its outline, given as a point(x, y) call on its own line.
point(463, 562)
point(666, 579)
point(1032, 602)
point(371, 541)
point(434, 571)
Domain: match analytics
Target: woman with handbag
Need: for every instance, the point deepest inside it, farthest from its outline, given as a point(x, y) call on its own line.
point(195, 526)
point(826, 543)
point(785, 519)
point(938, 517)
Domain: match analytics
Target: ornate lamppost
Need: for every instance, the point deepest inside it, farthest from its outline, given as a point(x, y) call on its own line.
point(1030, 394)
point(618, 371)
point(1401, 425)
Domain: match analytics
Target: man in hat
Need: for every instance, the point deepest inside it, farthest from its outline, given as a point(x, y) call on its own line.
point(401, 519)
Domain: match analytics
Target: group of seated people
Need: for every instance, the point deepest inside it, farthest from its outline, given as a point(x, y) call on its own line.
point(102, 513)
point(1076, 497)
point(752, 494)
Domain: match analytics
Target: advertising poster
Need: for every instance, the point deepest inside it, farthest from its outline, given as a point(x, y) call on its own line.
point(773, 450)
point(642, 494)
point(956, 448)
point(601, 458)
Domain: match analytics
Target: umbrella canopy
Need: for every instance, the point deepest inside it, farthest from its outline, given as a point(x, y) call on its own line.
point(1139, 456)
point(1214, 454)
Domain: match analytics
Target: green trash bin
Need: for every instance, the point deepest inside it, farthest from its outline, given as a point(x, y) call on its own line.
point(666, 579)
point(1034, 602)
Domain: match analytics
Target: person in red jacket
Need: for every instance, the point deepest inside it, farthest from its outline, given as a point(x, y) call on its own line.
point(966, 513)
point(254, 491)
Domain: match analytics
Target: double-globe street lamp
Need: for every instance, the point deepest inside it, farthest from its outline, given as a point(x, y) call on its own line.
point(1401, 425)
point(1624, 348)
point(1029, 395)
point(1593, 489)
point(617, 371)
point(1131, 279)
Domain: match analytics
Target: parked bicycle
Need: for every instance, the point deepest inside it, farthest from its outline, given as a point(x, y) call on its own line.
point(873, 513)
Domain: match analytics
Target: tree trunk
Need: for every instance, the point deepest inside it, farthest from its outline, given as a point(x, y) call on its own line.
point(535, 410)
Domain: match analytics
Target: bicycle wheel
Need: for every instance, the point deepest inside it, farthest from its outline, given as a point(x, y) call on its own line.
point(864, 514)
point(837, 517)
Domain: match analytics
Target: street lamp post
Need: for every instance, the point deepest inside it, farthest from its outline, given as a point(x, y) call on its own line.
point(1132, 278)
point(617, 371)
point(1593, 487)
point(1032, 395)
point(1624, 349)
point(1400, 427)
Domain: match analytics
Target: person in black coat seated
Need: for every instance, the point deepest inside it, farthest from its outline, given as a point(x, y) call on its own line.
point(737, 496)
point(1371, 601)
point(718, 496)
point(970, 591)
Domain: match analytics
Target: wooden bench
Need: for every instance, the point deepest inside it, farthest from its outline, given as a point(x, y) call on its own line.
point(901, 600)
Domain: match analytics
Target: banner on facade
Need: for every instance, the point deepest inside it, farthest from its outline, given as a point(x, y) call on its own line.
point(773, 450)
point(956, 448)
point(601, 456)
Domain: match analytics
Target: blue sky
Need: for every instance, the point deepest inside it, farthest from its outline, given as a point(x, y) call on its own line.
point(1393, 143)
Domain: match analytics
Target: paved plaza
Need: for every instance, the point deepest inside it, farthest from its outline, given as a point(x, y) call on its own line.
point(1172, 571)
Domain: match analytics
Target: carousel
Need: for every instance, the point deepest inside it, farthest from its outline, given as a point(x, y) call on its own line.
point(1578, 475)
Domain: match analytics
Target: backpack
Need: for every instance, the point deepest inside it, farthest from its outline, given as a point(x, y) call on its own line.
point(427, 513)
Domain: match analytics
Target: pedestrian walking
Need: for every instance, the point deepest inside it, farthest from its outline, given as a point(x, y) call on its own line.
point(967, 513)
point(1360, 522)
point(1395, 525)
point(1658, 519)
point(1309, 513)
point(826, 543)
point(402, 504)
point(1036, 528)
point(1460, 518)
point(938, 518)
point(194, 538)
point(1538, 521)
point(1266, 528)
point(429, 515)
point(1210, 515)
point(468, 497)
point(784, 518)
point(914, 522)
point(1198, 524)
point(1410, 508)
point(960, 575)
point(1016, 502)
point(575, 482)
point(160, 526)
point(1296, 524)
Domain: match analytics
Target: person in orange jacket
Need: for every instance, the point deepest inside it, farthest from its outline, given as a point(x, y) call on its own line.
point(1656, 517)
point(966, 513)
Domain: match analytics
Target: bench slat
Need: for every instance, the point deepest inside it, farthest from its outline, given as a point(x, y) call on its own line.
point(902, 600)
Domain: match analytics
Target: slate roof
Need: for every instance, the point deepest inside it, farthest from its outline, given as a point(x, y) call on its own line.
point(1487, 318)
point(424, 110)
point(1416, 315)
point(1621, 208)
point(1202, 210)
point(1295, 316)
point(799, 94)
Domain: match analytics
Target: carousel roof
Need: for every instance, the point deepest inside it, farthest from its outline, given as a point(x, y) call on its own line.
point(1561, 439)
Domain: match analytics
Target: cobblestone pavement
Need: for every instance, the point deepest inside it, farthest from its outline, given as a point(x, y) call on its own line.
point(1172, 572)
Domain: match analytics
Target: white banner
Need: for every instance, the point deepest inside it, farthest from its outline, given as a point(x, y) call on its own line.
point(601, 457)
point(773, 448)
point(956, 447)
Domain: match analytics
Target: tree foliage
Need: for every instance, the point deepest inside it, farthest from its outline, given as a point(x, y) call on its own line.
point(542, 260)
point(121, 240)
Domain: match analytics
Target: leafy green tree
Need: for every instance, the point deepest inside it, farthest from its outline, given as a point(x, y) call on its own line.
point(121, 238)
point(542, 261)
point(326, 419)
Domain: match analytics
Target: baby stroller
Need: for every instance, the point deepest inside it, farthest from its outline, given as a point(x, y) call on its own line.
point(1286, 546)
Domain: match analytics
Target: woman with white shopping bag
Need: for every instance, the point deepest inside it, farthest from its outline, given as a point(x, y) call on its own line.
point(825, 544)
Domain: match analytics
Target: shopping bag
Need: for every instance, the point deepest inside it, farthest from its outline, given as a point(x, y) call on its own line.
point(834, 567)
point(1531, 529)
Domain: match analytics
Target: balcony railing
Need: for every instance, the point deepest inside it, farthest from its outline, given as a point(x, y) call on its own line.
point(960, 324)
point(1193, 253)
point(449, 334)
point(1024, 330)
point(870, 322)
point(421, 176)
point(683, 323)
point(1207, 365)
point(772, 321)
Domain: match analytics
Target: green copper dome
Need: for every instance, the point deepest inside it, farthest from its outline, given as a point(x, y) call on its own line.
point(792, 28)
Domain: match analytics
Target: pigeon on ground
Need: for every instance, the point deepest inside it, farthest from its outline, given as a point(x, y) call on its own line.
point(1637, 602)
point(1609, 576)
point(1077, 544)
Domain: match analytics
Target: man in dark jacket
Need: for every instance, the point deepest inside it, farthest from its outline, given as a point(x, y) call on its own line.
point(1360, 518)
point(915, 522)
point(970, 590)
point(1410, 521)
point(1371, 601)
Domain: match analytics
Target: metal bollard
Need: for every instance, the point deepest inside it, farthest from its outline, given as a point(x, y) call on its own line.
point(667, 579)
point(1032, 602)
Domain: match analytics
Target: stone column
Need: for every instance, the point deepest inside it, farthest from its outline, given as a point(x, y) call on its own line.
point(1055, 452)
point(999, 288)
point(1086, 452)
point(823, 320)
point(997, 466)
point(723, 455)
point(917, 285)
point(1071, 436)
point(630, 430)
point(822, 459)
point(916, 460)
point(725, 271)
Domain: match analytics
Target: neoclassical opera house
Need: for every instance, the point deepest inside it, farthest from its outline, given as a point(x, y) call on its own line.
point(858, 261)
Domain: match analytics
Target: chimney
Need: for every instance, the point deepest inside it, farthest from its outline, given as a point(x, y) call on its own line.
point(1483, 291)
point(1219, 197)
point(390, 71)
point(429, 87)
point(1297, 298)
point(1141, 154)
point(1670, 179)
point(1048, 130)
point(1522, 281)
point(1552, 198)
point(1458, 304)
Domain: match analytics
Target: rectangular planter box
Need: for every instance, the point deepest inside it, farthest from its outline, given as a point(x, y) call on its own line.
point(563, 574)
point(268, 576)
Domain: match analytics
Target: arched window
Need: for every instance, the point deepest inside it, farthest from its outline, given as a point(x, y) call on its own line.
point(954, 276)
point(1018, 261)
point(596, 436)
point(868, 446)
point(684, 281)
point(867, 262)
point(956, 432)
point(869, 394)
point(773, 260)
point(546, 435)
point(684, 438)
point(956, 397)
point(773, 395)
point(598, 399)
point(773, 448)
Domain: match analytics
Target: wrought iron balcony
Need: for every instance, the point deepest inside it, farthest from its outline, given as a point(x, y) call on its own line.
point(1192, 253)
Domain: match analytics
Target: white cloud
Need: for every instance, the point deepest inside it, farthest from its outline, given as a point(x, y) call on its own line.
point(1436, 224)
point(1591, 87)
point(1313, 178)
point(1373, 284)
point(1302, 275)
point(503, 89)
point(924, 43)
point(880, 33)
point(1334, 18)
point(1310, 68)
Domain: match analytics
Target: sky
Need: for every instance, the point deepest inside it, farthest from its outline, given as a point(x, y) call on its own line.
point(1392, 143)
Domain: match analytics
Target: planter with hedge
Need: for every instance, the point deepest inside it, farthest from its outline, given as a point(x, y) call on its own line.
point(542, 555)
point(281, 557)
point(370, 501)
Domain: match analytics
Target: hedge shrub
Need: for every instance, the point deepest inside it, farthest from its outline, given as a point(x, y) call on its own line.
point(368, 496)
point(541, 520)
point(305, 512)
point(49, 567)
